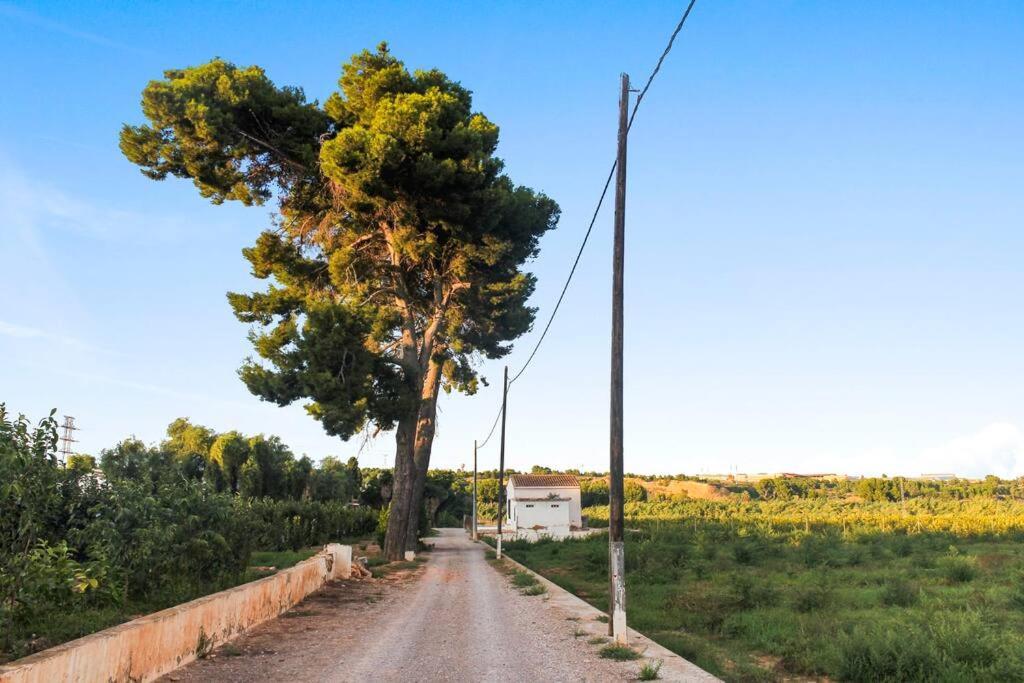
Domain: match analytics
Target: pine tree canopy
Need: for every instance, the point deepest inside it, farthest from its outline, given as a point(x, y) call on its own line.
point(398, 243)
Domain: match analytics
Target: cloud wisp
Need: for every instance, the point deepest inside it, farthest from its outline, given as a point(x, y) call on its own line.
point(23, 332)
point(33, 208)
point(19, 14)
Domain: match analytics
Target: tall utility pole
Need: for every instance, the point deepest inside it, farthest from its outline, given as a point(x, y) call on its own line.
point(474, 489)
point(616, 551)
point(501, 460)
point(67, 438)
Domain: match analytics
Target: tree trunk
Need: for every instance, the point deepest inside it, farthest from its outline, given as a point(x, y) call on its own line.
point(425, 427)
point(401, 489)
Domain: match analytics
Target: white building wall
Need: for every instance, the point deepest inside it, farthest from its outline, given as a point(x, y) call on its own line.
point(549, 518)
point(570, 492)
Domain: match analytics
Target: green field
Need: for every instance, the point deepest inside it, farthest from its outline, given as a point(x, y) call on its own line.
point(933, 591)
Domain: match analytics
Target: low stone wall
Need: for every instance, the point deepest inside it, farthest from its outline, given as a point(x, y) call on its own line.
point(145, 649)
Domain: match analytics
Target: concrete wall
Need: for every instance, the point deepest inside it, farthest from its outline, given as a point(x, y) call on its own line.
point(146, 648)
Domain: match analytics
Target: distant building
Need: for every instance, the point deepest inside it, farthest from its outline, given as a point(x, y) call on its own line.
point(938, 477)
point(543, 504)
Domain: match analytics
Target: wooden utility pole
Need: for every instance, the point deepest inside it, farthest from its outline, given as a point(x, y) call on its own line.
point(474, 489)
point(616, 551)
point(501, 460)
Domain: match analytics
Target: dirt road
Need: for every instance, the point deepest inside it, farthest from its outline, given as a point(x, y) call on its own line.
point(454, 619)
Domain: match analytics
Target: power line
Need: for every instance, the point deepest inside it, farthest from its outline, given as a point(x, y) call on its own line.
point(661, 60)
point(597, 210)
point(604, 191)
point(491, 433)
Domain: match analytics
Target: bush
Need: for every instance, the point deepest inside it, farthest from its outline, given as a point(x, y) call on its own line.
point(811, 598)
point(949, 647)
point(145, 537)
point(900, 593)
point(750, 593)
point(958, 569)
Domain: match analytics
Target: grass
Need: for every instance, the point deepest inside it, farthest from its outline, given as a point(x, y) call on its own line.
point(282, 559)
point(522, 579)
point(620, 653)
point(650, 671)
point(380, 569)
point(749, 601)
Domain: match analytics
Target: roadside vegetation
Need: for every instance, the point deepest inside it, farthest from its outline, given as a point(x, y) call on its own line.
point(821, 586)
point(141, 528)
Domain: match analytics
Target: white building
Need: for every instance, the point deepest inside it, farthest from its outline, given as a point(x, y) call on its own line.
point(543, 505)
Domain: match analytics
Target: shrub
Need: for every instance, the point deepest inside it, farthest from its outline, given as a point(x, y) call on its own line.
point(812, 598)
point(750, 593)
point(742, 553)
point(946, 647)
point(900, 593)
point(958, 569)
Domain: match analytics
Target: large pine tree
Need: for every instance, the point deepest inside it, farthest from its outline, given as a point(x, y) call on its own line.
point(397, 254)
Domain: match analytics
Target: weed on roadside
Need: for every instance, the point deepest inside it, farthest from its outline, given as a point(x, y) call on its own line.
point(522, 579)
point(620, 653)
point(650, 671)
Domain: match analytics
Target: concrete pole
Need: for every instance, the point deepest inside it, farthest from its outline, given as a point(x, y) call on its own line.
point(474, 490)
point(501, 460)
point(616, 550)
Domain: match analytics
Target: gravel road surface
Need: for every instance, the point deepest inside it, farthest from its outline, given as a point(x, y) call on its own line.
point(454, 619)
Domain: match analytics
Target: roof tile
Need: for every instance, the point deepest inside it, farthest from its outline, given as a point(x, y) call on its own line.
point(544, 481)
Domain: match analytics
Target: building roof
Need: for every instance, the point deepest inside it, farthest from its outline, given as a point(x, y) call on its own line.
point(554, 499)
point(544, 481)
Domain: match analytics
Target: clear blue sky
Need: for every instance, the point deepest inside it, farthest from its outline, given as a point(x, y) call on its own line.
point(825, 213)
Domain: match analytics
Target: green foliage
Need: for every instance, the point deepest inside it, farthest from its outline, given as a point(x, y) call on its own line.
point(82, 463)
point(487, 490)
point(814, 588)
point(900, 593)
point(228, 129)
point(958, 569)
point(594, 492)
point(229, 452)
point(523, 579)
point(382, 525)
point(619, 653)
point(950, 646)
point(295, 524)
point(145, 535)
point(650, 671)
point(396, 261)
point(281, 559)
